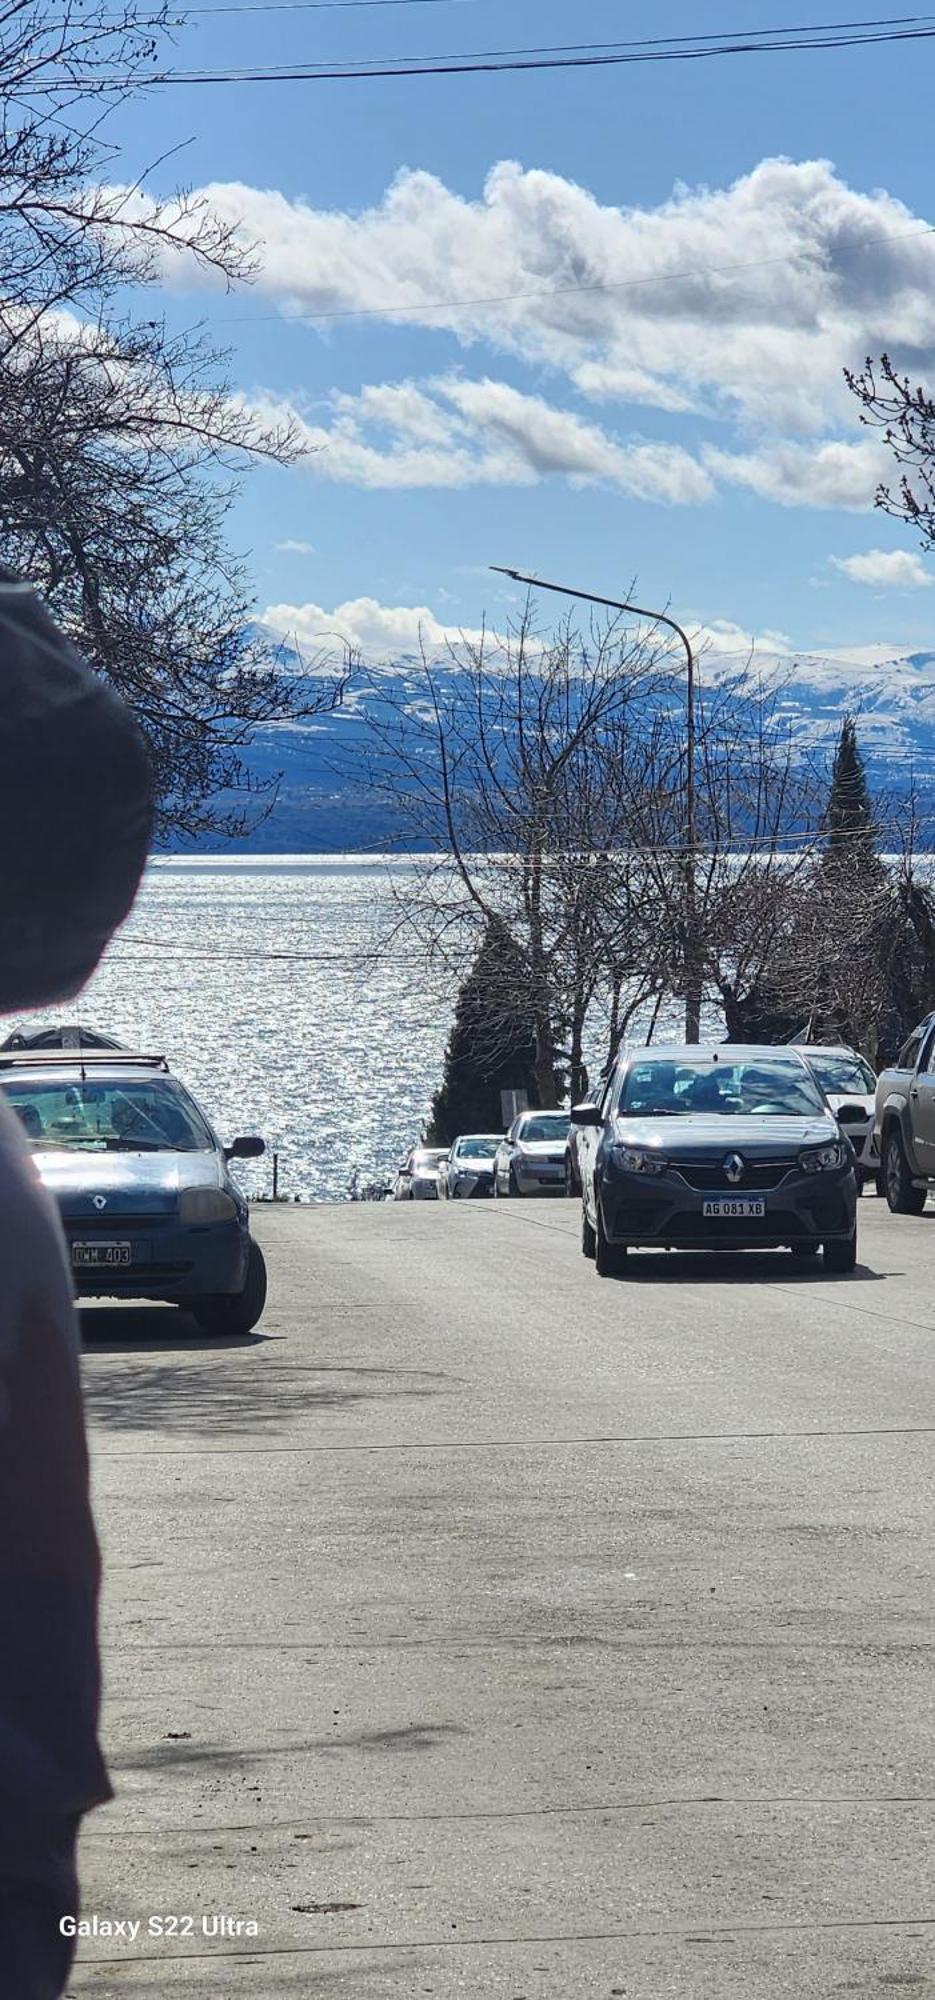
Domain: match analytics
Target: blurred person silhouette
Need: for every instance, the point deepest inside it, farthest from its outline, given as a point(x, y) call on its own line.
point(75, 819)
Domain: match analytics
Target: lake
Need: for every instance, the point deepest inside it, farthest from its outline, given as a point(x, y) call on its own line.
point(255, 976)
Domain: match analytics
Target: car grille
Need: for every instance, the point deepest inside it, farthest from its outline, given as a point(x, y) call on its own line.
point(708, 1174)
point(753, 1228)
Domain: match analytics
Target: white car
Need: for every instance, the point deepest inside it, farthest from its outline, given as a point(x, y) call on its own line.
point(531, 1156)
point(849, 1084)
point(468, 1169)
point(417, 1179)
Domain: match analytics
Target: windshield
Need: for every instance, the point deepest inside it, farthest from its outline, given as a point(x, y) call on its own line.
point(478, 1148)
point(838, 1074)
point(134, 1115)
point(552, 1125)
point(756, 1089)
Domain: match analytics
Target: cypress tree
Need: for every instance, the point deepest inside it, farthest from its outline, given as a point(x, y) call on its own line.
point(849, 819)
point(491, 1047)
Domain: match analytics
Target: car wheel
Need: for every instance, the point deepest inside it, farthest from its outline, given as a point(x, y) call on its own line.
point(610, 1258)
point(588, 1238)
point(572, 1186)
point(804, 1250)
point(495, 1189)
point(236, 1312)
point(902, 1198)
point(841, 1253)
point(880, 1186)
point(514, 1186)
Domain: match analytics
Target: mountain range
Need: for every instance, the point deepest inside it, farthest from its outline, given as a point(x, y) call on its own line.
point(321, 808)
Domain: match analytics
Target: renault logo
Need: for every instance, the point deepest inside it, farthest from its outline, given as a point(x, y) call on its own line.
point(100, 1201)
point(733, 1168)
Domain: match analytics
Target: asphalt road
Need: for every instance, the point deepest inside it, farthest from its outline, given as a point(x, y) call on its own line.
point(484, 1629)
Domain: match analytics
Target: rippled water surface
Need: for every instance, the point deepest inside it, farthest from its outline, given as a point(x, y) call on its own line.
point(332, 1057)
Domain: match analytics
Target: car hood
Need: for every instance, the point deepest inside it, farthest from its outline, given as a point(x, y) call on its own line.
point(701, 1137)
point(472, 1163)
point(540, 1149)
point(142, 1183)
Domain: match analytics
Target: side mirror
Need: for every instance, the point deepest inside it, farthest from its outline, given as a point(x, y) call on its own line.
point(245, 1149)
point(586, 1114)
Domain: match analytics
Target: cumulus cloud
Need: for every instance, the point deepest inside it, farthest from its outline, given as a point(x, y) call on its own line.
point(292, 548)
point(751, 298)
point(378, 631)
point(833, 474)
point(886, 569)
point(451, 432)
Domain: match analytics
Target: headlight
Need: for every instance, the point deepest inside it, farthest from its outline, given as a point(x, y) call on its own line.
point(821, 1159)
point(639, 1159)
point(203, 1204)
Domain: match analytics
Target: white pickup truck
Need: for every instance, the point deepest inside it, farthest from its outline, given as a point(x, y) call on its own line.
point(904, 1122)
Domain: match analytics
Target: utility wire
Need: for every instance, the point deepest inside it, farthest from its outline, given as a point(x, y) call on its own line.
point(833, 36)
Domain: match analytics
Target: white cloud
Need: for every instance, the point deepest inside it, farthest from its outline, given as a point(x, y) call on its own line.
point(378, 631)
point(888, 569)
point(451, 432)
point(751, 297)
point(834, 474)
point(291, 548)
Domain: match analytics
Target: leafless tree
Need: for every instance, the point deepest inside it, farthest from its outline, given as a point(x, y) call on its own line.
point(120, 443)
point(903, 412)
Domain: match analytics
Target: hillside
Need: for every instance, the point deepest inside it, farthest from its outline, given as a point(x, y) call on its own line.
point(323, 805)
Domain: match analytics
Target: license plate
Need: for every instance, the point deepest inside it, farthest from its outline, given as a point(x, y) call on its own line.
point(736, 1207)
point(89, 1256)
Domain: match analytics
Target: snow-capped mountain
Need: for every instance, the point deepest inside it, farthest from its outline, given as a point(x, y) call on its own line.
point(320, 807)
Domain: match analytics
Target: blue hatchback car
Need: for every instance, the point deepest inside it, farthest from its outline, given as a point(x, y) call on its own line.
point(142, 1182)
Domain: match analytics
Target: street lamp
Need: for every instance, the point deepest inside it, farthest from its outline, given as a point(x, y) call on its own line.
point(692, 968)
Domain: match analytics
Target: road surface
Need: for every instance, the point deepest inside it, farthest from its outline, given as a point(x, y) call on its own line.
point(484, 1629)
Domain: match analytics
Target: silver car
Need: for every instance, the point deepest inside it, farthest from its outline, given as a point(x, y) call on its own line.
point(467, 1171)
point(417, 1179)
point(850, 1086)
point(531, 1156)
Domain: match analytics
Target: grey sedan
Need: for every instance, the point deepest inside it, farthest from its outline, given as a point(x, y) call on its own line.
point(722, 1148)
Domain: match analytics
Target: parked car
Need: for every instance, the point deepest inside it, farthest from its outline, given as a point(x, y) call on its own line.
point(531, 1155)
point(850, 1085)
point(904, 1118)
point(721, 1148)
point(573, 1141)
point(468, 1169)
point(417, 1179)
point(142, 1182)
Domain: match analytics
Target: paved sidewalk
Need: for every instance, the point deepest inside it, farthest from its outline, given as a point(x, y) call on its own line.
point(482, 1629)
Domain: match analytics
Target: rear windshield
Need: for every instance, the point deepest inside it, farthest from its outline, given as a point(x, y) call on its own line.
point(659, 1088)
point(134, 1115)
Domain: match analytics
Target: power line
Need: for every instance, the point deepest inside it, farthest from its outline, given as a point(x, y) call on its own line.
point(768, 42)
point(551, 292)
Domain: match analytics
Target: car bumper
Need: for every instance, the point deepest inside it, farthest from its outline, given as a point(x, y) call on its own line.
point(167, 1261)
point(425, 1190)
point(469, 1187)
point(641, 1212)
point(540, 1176)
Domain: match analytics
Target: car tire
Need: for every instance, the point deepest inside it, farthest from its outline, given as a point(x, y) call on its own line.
point(805, 1250)
point(610, 1258)
point(236, 1313)
point(880, 1186)
point(514, 1186)
point(572, 1184)
point(588, 1237)
point(841, 1253)
point(495, 1187)
point(902, 1198)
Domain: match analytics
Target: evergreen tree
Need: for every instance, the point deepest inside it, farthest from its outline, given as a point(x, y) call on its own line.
point(849, 818)
point(492, 1046)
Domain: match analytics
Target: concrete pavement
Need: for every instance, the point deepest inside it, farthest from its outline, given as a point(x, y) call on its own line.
point(484, 1629)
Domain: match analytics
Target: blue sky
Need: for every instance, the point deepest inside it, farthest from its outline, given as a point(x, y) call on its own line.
point(689, 431)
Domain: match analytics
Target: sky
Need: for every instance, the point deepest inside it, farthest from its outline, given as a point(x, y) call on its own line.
point(682, 260)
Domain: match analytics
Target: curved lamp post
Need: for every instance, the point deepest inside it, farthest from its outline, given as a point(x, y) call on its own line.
point(693, 981)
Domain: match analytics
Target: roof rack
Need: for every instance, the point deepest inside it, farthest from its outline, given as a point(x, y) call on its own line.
point(79, 1059)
